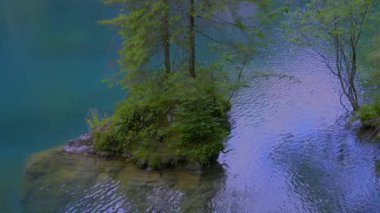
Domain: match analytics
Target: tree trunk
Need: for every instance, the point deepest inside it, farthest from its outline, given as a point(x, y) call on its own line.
point(354, 94)
point(192, 39)
point(166, 36)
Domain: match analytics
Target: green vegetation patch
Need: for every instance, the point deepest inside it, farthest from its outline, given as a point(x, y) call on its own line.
point(370, 114)
point(370, 117)
point(184, 121)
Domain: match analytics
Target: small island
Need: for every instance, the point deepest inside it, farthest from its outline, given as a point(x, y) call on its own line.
point(179, 78)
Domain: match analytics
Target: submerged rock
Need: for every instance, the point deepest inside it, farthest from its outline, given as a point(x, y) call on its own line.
point(59, 181)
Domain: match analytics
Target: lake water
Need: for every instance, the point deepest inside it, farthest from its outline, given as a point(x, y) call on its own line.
point(53, 57)
point(291, 149)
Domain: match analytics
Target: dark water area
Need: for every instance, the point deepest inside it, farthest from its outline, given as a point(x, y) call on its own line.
point(292, 148)
point(53, 57)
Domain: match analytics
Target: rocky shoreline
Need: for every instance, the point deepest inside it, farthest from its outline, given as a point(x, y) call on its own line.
point(83, 145)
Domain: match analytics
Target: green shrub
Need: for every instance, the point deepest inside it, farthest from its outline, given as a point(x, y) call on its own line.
point(162, 125)
point(367, 113)
point(370, 117)
point(202, 125)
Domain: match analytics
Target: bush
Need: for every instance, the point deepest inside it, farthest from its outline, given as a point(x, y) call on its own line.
point(162, 125)
point(367, 113)
point(370, 117)
point(202, 125)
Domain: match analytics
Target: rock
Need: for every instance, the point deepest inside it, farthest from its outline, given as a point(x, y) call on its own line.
point(78, 150)
point(86, 137)
point(83, 144)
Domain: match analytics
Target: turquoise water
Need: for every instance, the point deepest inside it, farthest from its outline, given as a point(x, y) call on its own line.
point(53, 56)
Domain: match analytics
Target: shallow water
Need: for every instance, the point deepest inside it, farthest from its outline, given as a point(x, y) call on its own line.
point(291, 149)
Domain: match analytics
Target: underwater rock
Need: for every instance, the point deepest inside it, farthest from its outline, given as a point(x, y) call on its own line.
point(59, 181)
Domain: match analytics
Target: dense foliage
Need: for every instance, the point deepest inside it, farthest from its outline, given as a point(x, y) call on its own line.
point(186, 121)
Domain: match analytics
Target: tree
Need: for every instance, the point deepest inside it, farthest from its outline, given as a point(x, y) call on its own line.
point(335, 29)
point(177, 104)
point(166, 35)
point(192, 38)
point(171, 31)
point(144, 27)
